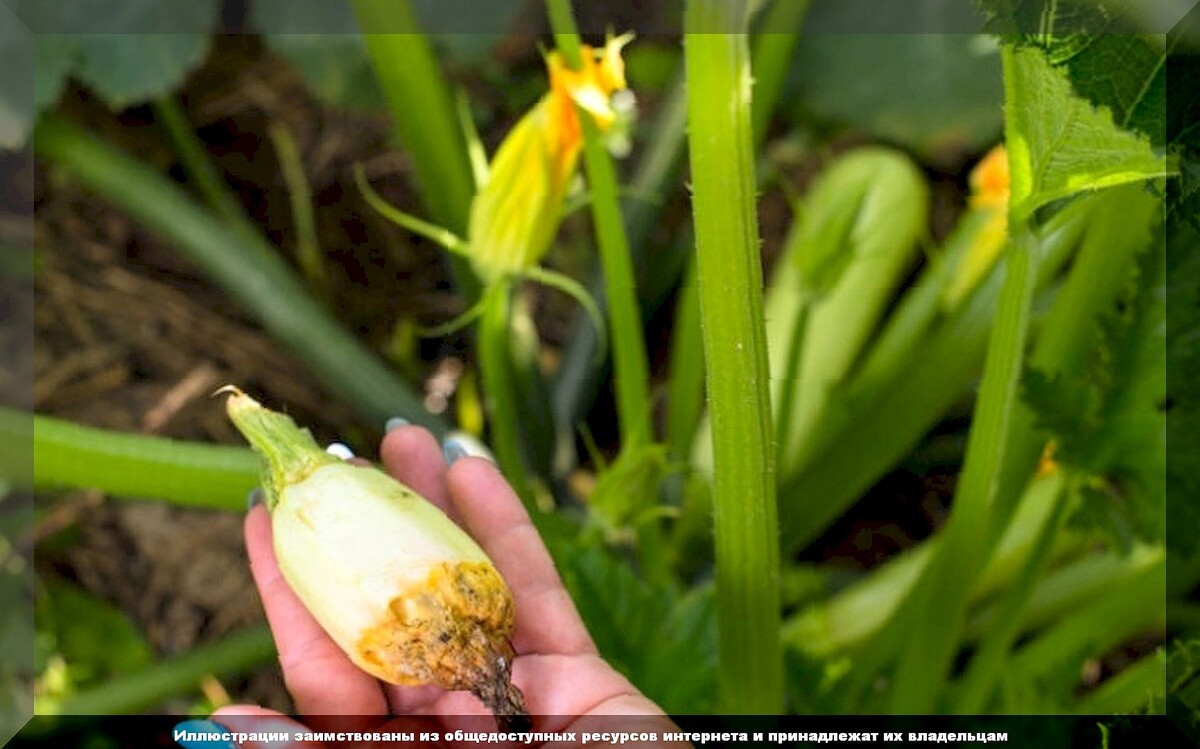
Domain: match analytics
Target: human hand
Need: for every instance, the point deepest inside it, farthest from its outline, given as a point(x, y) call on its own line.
point(557, 666)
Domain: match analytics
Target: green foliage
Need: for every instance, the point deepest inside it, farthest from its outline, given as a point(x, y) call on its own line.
point(663, 640)
point(322, 39)
point(334, 63)
point(1183, 392)
point(1147, 84)
point(626, 493)
point(87, 40)
point(16, 617)
point(70, 657)
point(1108, 419)
point(1183, 686)
point(936, 94)
point(1095, 45)
point(1061, 144)
point(855, 236)
point(1183, 112)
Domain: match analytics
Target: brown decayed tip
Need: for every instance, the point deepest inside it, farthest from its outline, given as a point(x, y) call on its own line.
point(452, 630)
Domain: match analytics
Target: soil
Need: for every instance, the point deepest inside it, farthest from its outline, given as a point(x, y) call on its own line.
point(130, 337)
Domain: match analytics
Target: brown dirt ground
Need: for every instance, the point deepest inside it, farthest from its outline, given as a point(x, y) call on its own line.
point(130, 337)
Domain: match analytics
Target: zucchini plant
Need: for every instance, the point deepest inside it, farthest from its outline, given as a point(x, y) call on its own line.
point(1020, 336)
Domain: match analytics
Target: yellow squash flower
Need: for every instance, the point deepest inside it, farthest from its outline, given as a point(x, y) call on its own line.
point(516, 213)
point(519, 203)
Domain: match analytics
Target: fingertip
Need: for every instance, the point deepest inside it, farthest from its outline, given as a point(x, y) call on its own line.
point(257, 526)
point(413, 456)
point(479, 489)
point(495, 517)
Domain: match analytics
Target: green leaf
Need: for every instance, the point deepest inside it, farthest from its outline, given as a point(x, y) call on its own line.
point(334, 62)
point(1183, 390)
point(322, 39)
point(664, 641)
point(626, 493)
point(94, 638)
point(94, 41)
point(1183, 686)
point(1061, 144)
point(938, 95)
point(1183, 116)
point(1109, 420)
point(1096, 45)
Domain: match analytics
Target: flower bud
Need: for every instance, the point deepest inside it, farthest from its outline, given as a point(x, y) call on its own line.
point(516, 213)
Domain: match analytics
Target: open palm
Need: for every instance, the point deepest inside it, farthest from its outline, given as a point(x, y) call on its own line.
point(567, 685)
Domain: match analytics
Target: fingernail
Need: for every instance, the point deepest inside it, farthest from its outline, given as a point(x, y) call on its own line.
point(453, 450)
point(465, 445)
point(202, 734)
point(340, 450)
point(395, 423)
point(254, 498)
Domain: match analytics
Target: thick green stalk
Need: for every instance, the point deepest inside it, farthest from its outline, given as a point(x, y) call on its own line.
point(941, 598)
point(422, 108)
point(870, 432)
point(1072, 586)
point(495, 368)
point(731, 308)
point(855, 615)
point(248, 268)
point(1133, 606)
point(237, 654)
point(134, 465)
point(656, 173)
point(987, 663)
point(1120, 228)
point(566, 33)
point(685, 403)
point(424, 116)
point(632, 375)
point(770, 60)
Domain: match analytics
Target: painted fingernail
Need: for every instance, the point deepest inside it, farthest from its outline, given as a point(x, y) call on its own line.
point(466, 445)
point(340, 450)
point(454, 451)
point(254, 498)
point(202, 734)
point(395, 423)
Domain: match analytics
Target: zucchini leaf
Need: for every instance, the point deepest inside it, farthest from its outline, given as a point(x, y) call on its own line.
point(127, 53)
point(1061, 144)
point(1108, 421)
point(663, 640)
